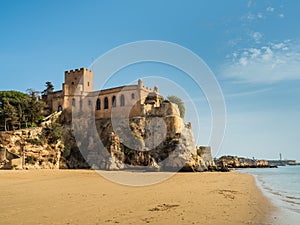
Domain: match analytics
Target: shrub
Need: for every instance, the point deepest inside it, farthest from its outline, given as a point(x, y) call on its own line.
point(53, 133)
point(31, 160)
point(66, 153)
point(34, 141)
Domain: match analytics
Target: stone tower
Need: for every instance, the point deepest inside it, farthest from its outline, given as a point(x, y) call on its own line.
point(77, 84)
point(80, 79)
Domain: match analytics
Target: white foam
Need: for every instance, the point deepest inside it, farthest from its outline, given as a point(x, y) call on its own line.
point(285, 215)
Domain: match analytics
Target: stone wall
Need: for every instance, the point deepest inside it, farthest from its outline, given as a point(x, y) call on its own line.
point(9, 160)
point(54, 100)
point(80, 79)
point(126, 102)
point(78, 95)
point(205, 153)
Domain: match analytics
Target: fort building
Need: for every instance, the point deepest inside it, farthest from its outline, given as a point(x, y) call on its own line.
point(155, 124)
point(78, 94)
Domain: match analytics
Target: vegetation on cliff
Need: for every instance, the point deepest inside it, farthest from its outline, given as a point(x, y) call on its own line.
point(49, 88)
point(19, 110)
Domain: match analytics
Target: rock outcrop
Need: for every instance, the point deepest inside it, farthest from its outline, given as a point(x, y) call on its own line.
point(34, 148)
point(30, 145)
point(239, 162)
point(157, 140)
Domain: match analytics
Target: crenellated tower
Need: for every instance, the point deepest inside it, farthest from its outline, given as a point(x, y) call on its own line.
point(81, 80)
point(78, 83)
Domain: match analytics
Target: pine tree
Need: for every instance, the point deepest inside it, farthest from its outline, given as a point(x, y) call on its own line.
point(17, 109)
point(9, 115)
point(34, 108)
point(49, 88)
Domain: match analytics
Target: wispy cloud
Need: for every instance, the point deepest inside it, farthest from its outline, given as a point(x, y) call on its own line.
point(229, 95)
point(263, 62)
point(257, 36)
point(266, 64)
point(247, 93)
point(249, 3)
point(253, 16)
point(270, 9)
point(251, 20)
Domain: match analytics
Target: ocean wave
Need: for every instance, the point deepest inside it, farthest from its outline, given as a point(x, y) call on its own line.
point(292, 197)
point(283, 197)
point(291, 202)
point(282, 186)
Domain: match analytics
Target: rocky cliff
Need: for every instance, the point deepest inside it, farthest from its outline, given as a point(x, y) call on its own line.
point(32, 146)
point(150, 144)
point(239, 162)
point(158, 140)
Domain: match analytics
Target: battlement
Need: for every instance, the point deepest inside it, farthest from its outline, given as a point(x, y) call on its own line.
point(77, 70)
point(147, 88)
point(78, 80)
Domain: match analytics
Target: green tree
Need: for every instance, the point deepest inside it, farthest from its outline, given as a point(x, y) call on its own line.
point(49, 88)
point(34, 107)
point(53, 132)
point(9, 115)
point(178, 101)
point(12, 108)
point(18, 109)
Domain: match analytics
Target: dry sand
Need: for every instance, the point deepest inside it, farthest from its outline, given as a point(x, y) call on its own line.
point(84, 197)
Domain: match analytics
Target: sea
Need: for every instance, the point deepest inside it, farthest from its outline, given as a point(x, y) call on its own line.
point(282, 186)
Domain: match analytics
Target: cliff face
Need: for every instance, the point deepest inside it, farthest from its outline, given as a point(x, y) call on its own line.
point(38, 152)
point(165, 143)
point(157, 140)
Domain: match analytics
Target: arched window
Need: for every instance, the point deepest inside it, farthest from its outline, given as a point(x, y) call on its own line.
point(73, 102)
point(59, 109)
point(114, 101)
point(122, 100)
point(105, 103)
point(132, 96)
point(98, 104)
point(80, 102)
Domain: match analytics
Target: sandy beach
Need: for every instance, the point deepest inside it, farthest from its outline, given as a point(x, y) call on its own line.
point(85, 197)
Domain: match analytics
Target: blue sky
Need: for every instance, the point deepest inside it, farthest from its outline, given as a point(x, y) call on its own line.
point(252, 47)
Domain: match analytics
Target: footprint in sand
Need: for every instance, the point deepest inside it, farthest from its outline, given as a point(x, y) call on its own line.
point(163, 207)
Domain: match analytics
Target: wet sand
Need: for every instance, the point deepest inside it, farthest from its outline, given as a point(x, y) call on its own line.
point(85, 197)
